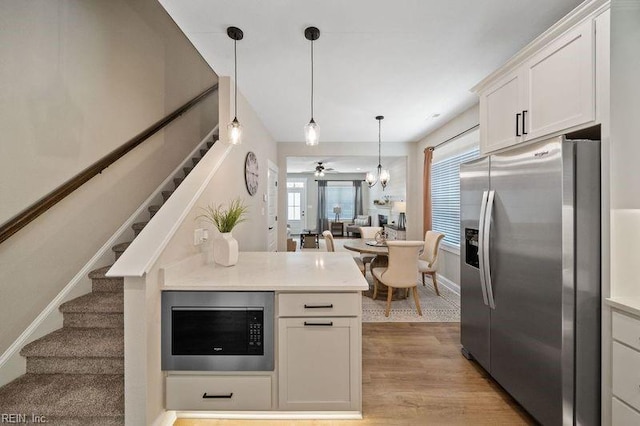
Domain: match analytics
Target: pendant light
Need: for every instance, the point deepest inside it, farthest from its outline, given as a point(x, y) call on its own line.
point(312, 130)
point(382, 176)
point(234, 128)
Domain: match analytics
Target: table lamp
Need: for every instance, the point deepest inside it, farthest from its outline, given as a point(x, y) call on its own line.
point(401, 208)
point(337, 210)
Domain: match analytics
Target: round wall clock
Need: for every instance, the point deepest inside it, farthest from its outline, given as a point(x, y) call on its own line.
point(251, 173)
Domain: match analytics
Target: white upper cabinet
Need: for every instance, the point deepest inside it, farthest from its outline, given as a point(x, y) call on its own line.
point(500, 113)
point(545, 90)
point(560, 84)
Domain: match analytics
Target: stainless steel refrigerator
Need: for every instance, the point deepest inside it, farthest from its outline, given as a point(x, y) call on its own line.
point(530, 275)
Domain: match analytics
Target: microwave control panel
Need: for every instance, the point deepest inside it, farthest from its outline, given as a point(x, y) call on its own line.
point(256, 333)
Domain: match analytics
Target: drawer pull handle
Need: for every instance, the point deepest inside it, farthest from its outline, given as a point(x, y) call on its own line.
point(329, 306)
point(205, 396)
point(318, 324)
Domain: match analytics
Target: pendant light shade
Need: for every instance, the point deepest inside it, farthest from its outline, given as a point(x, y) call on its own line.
point(383, 176)
point(312, 130)
point(312, 133)
point(234, 128)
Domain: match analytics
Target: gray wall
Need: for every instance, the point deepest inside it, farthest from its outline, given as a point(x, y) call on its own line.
point(79, 78)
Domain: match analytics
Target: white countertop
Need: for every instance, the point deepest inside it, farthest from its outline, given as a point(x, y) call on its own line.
point(626, 304)
point(270, 271)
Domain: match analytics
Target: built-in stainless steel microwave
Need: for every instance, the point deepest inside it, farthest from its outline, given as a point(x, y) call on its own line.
point(217, 330)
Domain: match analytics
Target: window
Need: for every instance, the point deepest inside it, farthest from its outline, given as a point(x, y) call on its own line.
point(295, 199)
point(294, 206)
point(445, 195)
point(340, 194)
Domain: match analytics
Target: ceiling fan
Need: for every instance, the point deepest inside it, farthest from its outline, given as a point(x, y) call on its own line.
point(321, 169)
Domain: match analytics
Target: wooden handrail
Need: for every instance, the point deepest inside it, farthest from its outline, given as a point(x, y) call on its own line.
point(23, 218)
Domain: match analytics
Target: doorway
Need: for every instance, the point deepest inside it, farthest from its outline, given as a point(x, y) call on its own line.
point(272, 207)
point(296, 202)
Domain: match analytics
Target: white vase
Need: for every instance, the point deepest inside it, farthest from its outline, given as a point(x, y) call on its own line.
point(225, 250)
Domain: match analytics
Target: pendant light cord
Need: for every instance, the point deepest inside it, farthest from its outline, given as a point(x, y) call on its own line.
point(235, 76)
point(311, 79)
point(379, 146)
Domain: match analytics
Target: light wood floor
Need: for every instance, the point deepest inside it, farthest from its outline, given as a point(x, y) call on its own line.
point(414, 374)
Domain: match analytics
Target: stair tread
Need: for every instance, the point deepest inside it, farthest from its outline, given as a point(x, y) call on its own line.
point(104, 302)
point(65, 395)
point(100, 272)
point(121, 246)
point(78, 342)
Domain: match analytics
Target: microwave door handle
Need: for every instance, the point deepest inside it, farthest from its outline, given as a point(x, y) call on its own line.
point(483, 210)
point(486, 248)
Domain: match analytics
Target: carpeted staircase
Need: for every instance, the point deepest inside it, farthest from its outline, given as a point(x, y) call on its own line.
point(75, 375)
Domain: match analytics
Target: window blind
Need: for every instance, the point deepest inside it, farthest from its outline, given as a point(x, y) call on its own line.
point(445, 194)
point(340, 194)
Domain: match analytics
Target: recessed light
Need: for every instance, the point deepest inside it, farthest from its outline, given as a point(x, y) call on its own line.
point(358, 168)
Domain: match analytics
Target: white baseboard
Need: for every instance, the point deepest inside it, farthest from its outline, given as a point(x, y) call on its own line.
point(271, 415)
point(449, 284)
point(167, 418)
point(12, 364)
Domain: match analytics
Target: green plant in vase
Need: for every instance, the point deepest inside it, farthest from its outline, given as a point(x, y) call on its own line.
point(225, 247)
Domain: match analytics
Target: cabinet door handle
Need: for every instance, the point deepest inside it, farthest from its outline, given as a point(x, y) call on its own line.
point(205, 396)
point(318, 306)
point(318, 324)
point(524, 118)
point(518, 124)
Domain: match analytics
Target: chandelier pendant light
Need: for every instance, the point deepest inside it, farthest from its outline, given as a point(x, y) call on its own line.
point(383, 176)
point(234, 128)
point(312, 130)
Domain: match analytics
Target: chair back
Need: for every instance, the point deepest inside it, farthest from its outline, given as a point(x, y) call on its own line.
point(403, 263)
point(432, 241)
point(369, 232)
point(328, 239)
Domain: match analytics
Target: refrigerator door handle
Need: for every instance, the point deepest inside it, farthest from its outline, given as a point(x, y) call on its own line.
point(485, 248)
point(483, 210)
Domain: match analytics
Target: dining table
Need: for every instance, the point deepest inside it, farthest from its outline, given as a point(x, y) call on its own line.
point(381, 260)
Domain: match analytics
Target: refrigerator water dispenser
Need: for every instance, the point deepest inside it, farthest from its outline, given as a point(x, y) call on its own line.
point(471, 247)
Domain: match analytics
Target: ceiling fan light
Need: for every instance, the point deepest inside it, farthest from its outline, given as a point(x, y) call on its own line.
point(312, 133)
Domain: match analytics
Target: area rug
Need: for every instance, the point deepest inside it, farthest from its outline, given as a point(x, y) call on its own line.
point(443, 308)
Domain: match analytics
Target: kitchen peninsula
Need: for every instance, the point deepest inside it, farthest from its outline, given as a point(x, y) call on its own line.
point(313, 329)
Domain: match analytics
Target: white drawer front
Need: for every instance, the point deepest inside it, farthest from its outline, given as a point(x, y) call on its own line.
point(623, 415)
point(218, 393)
point(319, 304)
point(626, 330)
point(626, 374)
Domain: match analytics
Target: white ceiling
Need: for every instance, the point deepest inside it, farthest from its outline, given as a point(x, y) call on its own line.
point(345, 164)
point(404, 59)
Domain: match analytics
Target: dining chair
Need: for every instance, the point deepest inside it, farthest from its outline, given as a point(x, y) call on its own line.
point(401, 272)
point(368, 233)
point(331, 246)
point(427, 262)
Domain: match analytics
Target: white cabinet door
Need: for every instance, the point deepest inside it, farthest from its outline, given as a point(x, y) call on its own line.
point(560, 83)
point(319, 364)
point(500, 114)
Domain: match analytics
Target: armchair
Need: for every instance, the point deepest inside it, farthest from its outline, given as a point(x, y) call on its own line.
point(354, 228)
